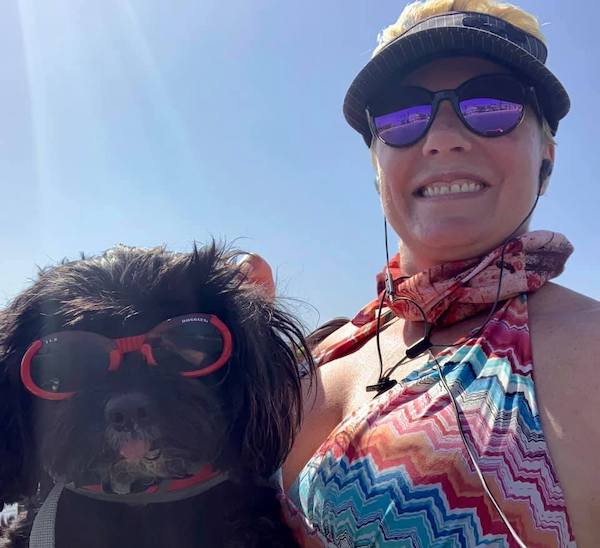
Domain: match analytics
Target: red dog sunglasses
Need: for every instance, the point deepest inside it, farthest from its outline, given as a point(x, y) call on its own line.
point(59, 364)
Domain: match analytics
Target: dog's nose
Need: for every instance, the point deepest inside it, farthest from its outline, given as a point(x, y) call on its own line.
point(127, 411)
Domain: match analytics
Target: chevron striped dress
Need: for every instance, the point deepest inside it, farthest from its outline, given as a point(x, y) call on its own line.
point(396, 473)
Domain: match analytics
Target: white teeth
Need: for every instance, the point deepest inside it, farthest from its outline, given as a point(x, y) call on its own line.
point(455, 187)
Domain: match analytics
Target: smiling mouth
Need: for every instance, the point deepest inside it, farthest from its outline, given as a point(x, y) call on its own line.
point(457, 187)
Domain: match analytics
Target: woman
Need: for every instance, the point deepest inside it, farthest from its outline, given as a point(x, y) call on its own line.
point(458, 409)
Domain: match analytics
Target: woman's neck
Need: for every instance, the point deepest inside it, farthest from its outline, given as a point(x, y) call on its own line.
point(413, 262)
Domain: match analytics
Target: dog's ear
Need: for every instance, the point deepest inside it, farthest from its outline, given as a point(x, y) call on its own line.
point(258, 272)
point(271, 358)
point(19, 475)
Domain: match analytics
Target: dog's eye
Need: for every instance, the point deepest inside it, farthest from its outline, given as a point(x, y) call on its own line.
point(173, 359)
point(51, 385)
point(55, 385)
point(186, 349)
point(66, 368)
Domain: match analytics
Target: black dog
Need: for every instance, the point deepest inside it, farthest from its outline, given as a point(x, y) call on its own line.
point(163, 436)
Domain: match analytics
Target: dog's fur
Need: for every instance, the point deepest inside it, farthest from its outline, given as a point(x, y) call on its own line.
point(241, 418)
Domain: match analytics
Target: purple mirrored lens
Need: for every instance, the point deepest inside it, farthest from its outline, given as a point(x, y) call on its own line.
point(490, 117)
point(403, 126)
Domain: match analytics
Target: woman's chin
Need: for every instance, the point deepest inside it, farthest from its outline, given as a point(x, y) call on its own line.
point(455, 239)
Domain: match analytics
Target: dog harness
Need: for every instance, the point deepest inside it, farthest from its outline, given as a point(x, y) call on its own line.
point(44, 524)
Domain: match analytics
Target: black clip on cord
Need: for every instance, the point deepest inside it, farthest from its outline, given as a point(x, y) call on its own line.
point(422, 345)
point(415, 350)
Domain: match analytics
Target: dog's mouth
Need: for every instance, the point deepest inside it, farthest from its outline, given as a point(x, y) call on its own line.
point(137, 449)
point(136, 466)
point(143, 467)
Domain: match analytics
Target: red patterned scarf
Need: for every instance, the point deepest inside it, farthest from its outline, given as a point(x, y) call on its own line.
point(453, 291)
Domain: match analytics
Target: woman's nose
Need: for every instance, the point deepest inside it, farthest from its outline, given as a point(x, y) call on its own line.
point(446, 134)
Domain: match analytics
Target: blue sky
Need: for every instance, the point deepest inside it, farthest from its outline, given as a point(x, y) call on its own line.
point(147, 122)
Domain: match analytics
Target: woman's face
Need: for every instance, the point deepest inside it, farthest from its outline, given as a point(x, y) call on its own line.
point(504, 172)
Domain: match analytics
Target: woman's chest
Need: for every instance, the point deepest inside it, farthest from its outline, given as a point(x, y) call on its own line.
point(369, 364)
point(386, 357)
point(409, 443)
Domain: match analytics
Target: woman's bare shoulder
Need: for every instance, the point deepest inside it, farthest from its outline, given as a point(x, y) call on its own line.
point(343, 332)
point(565, 330)
point(564, 322)
point(556, 303)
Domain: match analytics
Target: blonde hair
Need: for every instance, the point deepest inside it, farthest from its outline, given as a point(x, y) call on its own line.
point(422, 9)
point(418, 11)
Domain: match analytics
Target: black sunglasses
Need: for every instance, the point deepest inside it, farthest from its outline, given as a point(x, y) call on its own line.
point(490, 105)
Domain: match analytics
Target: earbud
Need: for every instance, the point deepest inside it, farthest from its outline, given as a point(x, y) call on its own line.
point(545, 171)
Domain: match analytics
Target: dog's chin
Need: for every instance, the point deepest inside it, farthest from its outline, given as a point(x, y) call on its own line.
point(133, 469)
point(137, 474)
